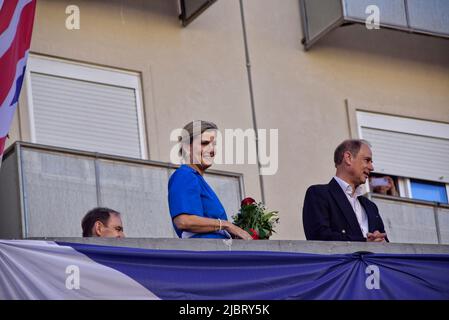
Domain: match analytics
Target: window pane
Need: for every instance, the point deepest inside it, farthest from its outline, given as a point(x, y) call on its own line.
point(429, 191)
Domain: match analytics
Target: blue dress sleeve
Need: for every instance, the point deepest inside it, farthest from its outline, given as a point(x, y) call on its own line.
point(184, 194)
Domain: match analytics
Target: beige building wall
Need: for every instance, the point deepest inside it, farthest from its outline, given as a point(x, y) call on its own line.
point(199, 72)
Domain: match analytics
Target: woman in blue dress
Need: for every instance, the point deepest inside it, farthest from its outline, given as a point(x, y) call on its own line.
point(195, 209)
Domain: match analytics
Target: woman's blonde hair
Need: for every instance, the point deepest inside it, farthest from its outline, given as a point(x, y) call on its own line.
point(193, 129)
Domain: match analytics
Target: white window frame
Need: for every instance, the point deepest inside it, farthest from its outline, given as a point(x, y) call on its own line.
point(402, 125)
point(85, 72)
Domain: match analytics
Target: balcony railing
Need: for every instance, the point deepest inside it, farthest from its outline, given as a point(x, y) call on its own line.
point(429, 17)
point(414, 221)
point(45, 191)
point(191, 9)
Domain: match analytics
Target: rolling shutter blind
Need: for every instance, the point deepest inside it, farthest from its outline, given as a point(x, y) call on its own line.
point(85, 115)
point(409, 155)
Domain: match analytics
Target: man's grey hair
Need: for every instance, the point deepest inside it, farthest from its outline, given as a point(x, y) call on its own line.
point(351, 145)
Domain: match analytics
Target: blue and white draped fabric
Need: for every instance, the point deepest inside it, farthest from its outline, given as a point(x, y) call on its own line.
point(31, 269)
point(16, 26)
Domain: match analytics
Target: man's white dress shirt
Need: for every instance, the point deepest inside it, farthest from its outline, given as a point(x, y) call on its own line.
point(355, 203)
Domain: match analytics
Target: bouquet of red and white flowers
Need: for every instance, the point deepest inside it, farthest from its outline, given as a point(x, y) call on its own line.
point(255, 219)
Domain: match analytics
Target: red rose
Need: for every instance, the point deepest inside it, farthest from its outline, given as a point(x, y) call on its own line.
point(247, 202)
point(253, 233)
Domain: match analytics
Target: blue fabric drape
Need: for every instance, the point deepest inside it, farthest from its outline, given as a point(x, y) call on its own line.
point(247, 275)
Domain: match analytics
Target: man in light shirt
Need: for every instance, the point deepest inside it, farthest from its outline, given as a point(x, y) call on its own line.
point(338, 211)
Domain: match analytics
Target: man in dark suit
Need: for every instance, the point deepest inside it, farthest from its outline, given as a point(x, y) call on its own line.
point(337, 211)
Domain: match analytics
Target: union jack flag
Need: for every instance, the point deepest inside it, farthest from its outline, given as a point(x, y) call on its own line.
point(16, 26)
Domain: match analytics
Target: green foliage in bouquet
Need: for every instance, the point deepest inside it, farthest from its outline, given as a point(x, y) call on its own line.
point(255, 219)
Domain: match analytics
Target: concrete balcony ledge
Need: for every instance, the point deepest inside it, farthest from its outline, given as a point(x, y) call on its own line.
point(316, 247)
